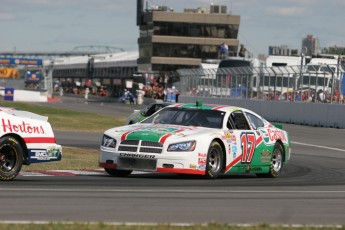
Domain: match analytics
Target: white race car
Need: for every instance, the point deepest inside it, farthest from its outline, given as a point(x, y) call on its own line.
point(207, 140)
point(25, 138)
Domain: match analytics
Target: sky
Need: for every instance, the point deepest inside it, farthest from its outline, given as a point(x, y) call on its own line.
point(61, 25)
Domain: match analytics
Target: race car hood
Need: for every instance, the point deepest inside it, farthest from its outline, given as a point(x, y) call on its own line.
point(23, 114)
point(156, 133)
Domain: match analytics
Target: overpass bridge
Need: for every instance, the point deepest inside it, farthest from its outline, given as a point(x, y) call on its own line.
point(76, 51)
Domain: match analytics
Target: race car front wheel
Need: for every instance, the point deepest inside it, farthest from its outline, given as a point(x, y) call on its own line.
point(117, 172)
point(214, 162)
point(11, 158)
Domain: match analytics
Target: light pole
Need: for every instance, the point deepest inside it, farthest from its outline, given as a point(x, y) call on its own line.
point(48, 77)
point(303, 53)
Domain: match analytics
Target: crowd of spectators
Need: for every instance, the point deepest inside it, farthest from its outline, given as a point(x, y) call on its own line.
point(304, 96)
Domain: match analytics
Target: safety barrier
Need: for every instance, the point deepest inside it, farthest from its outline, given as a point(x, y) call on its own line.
point(301, 113)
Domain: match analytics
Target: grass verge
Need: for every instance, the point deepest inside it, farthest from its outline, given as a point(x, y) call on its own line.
point(68, 120)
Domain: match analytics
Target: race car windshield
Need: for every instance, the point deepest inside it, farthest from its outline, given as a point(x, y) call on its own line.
point(188, 117)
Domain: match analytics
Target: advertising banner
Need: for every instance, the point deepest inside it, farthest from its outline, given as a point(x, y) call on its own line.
point(32, 78)
point(9, 73)
point(9, 94)
point(20, 61)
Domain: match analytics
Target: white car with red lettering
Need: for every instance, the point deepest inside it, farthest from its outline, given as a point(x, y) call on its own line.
point(25, 138)
point(207, 140)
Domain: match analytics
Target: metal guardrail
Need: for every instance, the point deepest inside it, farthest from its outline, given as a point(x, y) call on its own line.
point(312, 83)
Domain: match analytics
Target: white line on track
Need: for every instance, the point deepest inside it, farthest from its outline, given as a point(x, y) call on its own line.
point(318, 146)
point(170, 224)
point(166, 191)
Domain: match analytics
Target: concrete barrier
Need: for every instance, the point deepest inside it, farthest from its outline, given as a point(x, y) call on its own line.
point(27, 95)
point(32, 96)
point(312, 114)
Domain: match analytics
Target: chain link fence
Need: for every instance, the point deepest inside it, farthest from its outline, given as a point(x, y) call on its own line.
point(311, 83)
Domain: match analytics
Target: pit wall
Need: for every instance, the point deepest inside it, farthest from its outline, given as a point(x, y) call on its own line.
point(300, 113)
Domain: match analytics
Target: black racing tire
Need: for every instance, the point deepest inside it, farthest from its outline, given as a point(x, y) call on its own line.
point(118, 172)
point(277, 162)
point(214, 161)
point(11, 158)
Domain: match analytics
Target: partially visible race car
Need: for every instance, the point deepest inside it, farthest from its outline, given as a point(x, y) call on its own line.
point(25, 138)
point(207, 140)
point(139, 115)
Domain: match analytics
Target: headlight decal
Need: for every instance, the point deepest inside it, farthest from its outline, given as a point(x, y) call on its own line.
point(108, 142)
point(186, 146)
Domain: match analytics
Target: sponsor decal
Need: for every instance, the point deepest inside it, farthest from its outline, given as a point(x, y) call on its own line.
point(255, 169)
point(265, 156)
point(227, 135)
point(135, 155)
point(49, 154)
point(265, 136)
point(275, 134)
point(8, 126)
point(13, 140)
point(202, 155)
point(202, 161)
point(202, 167)
point(192, 166)
point(54, 152)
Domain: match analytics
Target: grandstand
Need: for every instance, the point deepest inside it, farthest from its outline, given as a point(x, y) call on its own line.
point(106, 71)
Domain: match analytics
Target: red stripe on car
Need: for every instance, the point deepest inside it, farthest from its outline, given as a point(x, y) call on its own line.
point(233, 163)
point(124, 136)
point(39, 140)
point(181, 171)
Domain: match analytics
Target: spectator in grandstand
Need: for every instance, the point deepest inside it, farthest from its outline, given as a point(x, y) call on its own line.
point(327, 96)
point(242, 52)
point(130, 97)
point(87, 91)
point(61, 91)
point(298, 96)
point(336, 96)
point(320, 96)
point(224, 50)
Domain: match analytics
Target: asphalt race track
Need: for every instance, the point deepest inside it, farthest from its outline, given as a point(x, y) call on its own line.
point(311, 189)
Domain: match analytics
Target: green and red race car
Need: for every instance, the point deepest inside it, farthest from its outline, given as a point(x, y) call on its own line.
point(203, 139)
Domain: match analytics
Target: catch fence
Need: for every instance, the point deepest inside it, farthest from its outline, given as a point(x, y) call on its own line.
point(311, 83)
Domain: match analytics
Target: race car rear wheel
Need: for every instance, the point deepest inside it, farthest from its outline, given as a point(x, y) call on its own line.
point(11, 158)
point(117, 172)
point(277, 161)
point(214, 162)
